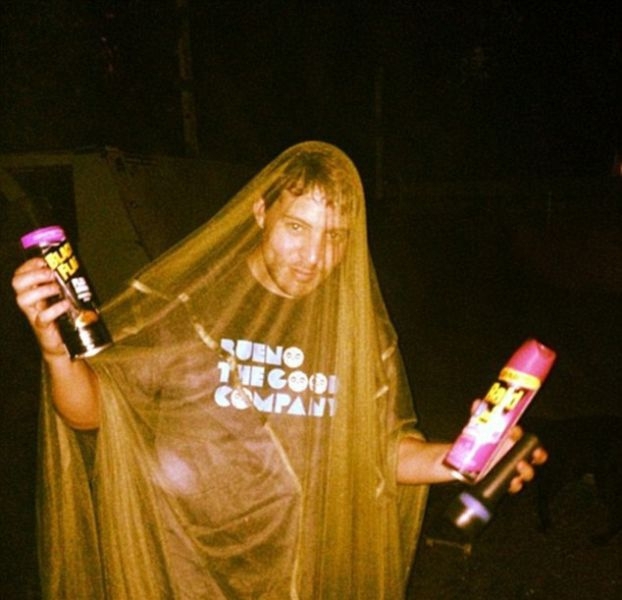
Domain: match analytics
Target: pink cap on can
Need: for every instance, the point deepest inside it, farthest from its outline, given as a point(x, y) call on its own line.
point(45, 235)
point(533, 358)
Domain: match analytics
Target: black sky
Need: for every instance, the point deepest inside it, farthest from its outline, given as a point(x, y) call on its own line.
point(488, 88)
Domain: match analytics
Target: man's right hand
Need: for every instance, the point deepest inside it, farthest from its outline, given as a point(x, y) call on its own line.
point(74, 385)
point(34, 284)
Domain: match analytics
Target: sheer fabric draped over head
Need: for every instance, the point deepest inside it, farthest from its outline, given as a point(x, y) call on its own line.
point(251, 409)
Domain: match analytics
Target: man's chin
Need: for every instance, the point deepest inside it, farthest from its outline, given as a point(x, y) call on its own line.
point(298, 289)
point(293, 284)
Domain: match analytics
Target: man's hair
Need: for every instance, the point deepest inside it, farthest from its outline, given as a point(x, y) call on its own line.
point(315, 169)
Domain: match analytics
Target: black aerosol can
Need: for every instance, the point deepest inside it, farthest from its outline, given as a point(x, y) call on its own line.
point(82, 327)
point(473, 509)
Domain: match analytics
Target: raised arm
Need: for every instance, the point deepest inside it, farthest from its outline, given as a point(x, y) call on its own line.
point(74, 385)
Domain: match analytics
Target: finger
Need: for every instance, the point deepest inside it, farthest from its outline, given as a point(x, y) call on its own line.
point(508, 441)
point(525, 470)
point(539, 456)
point(516, 485)
point(524, 473)
point(46, 317)
point(476, 404)
point(35, 298)
point(31, 274)
point(516, 433)
point(30, 263)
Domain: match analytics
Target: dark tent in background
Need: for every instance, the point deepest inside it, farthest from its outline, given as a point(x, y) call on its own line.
point(122, 209)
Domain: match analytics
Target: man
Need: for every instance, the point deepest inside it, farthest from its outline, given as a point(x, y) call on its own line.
point(255, 430)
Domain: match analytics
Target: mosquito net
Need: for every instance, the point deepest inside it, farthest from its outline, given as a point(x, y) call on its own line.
point(251, 409)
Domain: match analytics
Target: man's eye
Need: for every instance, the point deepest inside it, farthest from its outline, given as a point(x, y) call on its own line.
point(336, 236)
point(294, 226)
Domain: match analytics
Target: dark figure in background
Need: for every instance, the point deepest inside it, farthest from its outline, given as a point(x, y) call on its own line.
point(589, 446)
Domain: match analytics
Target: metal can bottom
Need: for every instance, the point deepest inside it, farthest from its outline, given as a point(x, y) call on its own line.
point(92, 351)
point(83, 342)
point(463, 477)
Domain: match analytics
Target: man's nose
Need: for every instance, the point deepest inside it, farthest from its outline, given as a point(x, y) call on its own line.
point(314, 249)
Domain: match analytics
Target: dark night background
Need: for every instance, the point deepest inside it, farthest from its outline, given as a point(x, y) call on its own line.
point(487, 88)
point(464, 97)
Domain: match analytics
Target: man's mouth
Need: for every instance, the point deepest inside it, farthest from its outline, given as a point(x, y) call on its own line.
point(304, 275)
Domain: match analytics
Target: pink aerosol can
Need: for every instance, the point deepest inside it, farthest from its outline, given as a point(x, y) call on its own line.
point(477, 445)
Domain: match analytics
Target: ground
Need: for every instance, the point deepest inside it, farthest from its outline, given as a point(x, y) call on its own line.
point(512, 560)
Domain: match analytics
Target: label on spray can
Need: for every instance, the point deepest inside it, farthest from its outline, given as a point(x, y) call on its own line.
point(494, 416)
point(82, 327)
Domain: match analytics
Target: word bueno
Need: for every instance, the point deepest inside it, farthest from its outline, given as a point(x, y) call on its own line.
point(256, 352)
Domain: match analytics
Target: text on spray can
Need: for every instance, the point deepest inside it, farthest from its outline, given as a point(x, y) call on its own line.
point(82, 327)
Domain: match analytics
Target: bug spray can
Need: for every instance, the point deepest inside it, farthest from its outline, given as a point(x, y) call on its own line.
point(82, 327)
point(476, 447)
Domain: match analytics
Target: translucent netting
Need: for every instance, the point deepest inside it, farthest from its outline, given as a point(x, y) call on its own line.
point(247, 446)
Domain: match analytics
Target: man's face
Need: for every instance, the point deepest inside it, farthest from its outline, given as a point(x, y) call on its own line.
point(304, 239)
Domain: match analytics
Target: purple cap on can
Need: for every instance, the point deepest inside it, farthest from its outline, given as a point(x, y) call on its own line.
point(45, 235)
point(533, 358)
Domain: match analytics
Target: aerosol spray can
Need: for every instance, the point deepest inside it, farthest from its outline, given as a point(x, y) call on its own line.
point(477, 445)
point(82, 327)
point(473, 508)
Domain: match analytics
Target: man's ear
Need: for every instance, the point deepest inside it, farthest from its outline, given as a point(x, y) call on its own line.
point(259, 210)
